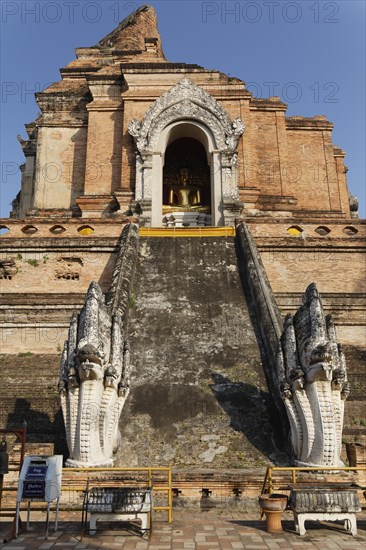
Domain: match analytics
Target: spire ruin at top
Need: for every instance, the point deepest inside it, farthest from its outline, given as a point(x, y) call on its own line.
point(134, 32)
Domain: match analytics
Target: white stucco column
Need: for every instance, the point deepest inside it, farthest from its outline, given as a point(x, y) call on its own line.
point(216, 190)
point(157, 190)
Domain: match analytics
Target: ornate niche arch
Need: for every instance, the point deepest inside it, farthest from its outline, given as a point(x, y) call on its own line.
point(189, 105)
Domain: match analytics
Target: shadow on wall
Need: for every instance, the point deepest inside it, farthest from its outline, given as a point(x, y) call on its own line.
point(251, 411)
point(40, 429)
point(261, 300)
point(105, 278)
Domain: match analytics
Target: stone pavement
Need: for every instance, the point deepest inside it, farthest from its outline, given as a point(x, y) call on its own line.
point(202, 531)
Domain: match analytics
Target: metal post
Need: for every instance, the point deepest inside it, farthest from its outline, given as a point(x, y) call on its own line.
point(47, 519)
point(28, 514)
point(4, 465)
point(17, 519)
point(170, 497)
point(23, 439)
point(1, 488)
point(270, 481)
point(57, 509)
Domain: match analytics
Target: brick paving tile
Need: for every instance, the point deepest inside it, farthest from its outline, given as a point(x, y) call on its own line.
point(302, 545)
point(192, 531)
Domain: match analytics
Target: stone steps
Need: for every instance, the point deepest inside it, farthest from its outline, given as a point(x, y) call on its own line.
point(199, 397)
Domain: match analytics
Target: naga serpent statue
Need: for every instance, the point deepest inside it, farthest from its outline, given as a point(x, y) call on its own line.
point(312, 373)
point(94, 376)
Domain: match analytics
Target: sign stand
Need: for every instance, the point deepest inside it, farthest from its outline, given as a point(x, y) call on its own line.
point(39, 481)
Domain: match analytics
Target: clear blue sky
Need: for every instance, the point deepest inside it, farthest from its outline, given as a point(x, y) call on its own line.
point(311, 54)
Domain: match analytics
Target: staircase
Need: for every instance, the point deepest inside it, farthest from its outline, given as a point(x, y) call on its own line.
point(199, 397)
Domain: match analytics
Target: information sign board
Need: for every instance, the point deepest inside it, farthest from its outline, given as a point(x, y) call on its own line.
point(36, 472)
point(34, 489)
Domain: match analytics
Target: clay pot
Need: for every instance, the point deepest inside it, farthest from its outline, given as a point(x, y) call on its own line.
point(273, 503)
point(273, 506)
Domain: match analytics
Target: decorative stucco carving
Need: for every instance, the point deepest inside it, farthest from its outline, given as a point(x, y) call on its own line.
point(353, 204)
point(95, 365)
point(312, 374)
point(186, 100)
point(8, 268)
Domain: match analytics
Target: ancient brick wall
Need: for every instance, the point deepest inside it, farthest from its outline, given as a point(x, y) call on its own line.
point(28, 391)
point(198, 396)
point(48, 277)
point(60, 167)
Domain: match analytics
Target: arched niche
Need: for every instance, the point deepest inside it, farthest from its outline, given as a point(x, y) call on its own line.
point(187, 111)
point(186, 129)
point(186, 158)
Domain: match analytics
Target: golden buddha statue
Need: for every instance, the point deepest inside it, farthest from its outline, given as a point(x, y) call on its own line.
point(184, 195)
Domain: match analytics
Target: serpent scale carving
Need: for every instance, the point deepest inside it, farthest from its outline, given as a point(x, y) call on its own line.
point(312, 373)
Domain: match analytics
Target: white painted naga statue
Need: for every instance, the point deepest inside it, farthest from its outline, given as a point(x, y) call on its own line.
point(312, 374)
point(94, 382)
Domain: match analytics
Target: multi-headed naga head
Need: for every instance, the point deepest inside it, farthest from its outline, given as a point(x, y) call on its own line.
point(320, 361)
point(315, 338)
point(90, 362)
